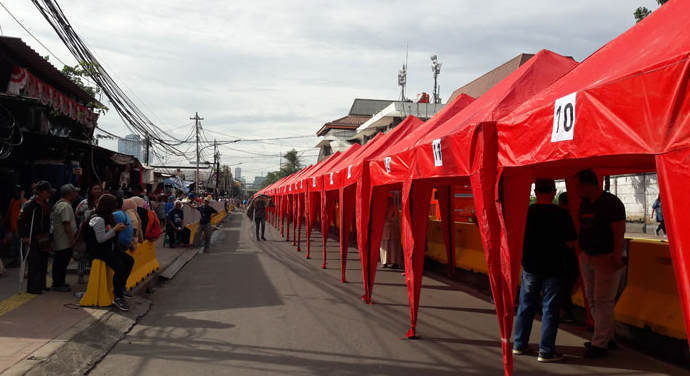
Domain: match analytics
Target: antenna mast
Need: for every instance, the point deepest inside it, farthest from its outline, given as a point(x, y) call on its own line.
point(436, 68)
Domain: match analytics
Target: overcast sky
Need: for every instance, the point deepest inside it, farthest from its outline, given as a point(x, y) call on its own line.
point(260, 69)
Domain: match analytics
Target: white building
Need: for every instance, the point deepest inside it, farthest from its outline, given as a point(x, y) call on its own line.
point(238, 172)
point(132, 145)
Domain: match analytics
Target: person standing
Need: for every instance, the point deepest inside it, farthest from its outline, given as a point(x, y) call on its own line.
point(549, 235)
point(100, 237)
point(34, 228)
point(83, 212)
point(64, 230)
point(13, 210)
point(391, 249)
point(257, 209)
point(656, 209)
point(207, 211)
point(601, 239)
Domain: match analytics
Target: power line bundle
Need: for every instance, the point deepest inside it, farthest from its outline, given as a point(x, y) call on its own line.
point(134, 119)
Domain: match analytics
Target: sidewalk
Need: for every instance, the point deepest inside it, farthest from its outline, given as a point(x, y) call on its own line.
point(29, 322)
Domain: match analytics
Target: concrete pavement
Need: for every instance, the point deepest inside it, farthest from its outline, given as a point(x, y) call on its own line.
point(261, 308)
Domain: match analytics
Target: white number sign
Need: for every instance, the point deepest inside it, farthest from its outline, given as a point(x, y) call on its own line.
point(313, 181)
point(438, 156)
point(564, 118)
point(331, 178)
point(387, 163)
point(349, 171)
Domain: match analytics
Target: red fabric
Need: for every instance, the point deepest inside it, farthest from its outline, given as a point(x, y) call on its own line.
point(300, 214)
point(414, 243)
point(347, 212)
point(328, 199)
point(313, 199)
point(369, 254)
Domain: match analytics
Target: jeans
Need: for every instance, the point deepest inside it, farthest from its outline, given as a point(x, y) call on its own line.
point(121, 263)
point(61, 259)
point(260, 222)
point(601, 283)
point(530, 290)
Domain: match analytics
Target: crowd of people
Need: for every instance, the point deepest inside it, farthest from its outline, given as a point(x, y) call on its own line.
point(105, 224)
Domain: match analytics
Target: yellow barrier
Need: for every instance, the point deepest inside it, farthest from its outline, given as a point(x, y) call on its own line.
point(145, 263)
point(469, 251)
point(650, 298)
point(218, 217)
point(214, 220)
point(99, 291)
point(192, 231)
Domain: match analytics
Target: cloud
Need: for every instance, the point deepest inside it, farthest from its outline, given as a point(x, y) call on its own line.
point(261, 68)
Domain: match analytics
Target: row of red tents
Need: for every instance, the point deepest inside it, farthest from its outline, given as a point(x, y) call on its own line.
point(624, 109)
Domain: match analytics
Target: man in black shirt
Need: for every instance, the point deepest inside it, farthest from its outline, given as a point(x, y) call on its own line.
point(601, 239)
point(207, 211)
point(548, 232)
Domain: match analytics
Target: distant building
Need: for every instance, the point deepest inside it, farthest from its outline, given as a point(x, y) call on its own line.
point(258, 180)
point(132, 145)
point(392, 115)
point(337, 133)
point(238, 172)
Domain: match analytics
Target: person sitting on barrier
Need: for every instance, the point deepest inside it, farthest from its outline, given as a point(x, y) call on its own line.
point(129, 206)
point(143, 214)
point(100, 237)
point(548, 230)
point(601, 239)
point(175, 224)
point(207, 211)
point(126, 238)
point(83, 212)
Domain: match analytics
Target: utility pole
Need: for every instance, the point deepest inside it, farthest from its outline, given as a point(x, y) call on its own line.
point(147, 141)
point(197, 125)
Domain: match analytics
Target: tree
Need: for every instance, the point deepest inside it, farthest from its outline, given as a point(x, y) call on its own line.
point(642, 12)
point(290, 165)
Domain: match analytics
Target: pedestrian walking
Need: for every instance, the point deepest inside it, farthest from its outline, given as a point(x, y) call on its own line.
point(658, 214)
point(83, 213)
point(601, 239)
point(34, 228)
point(549, 237)
point(391, 249)
point(257, 211)
point(64, 225)
point(100, 236)
point(205, 227)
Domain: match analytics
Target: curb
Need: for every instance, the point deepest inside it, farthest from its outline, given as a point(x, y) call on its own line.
point(79, 349)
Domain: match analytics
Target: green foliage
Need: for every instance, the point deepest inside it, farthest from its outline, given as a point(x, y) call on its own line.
point(291, 164)
point(77, 74)
point(642, 12)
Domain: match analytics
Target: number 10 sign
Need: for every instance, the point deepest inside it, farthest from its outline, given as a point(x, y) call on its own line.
point(564, 118)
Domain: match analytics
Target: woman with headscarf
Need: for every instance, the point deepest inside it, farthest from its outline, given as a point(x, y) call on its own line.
point(101, 237)
point(143, 214)
point(129, 206)
point(391, 255)
point(83, 212)
point(170, 205)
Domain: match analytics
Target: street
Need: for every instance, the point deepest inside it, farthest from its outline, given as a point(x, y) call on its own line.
point(251, 308)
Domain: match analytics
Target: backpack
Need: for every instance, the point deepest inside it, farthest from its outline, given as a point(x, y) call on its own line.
point(153, 228)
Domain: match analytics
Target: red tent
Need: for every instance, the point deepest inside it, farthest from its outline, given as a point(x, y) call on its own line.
point(463, 150)
point(626, 108)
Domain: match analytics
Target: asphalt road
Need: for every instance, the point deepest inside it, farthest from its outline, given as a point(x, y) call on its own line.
point(251, 308)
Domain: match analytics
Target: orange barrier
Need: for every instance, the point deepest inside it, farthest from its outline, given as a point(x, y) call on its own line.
point(469, 251)
point(99, 291)
point(650, 298)
point(145, 263)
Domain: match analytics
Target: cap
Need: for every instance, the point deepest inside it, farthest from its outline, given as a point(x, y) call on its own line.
point(67, 189)
point(544, 185)
point(208, 198)
point(43, 185)
point(178, 202)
